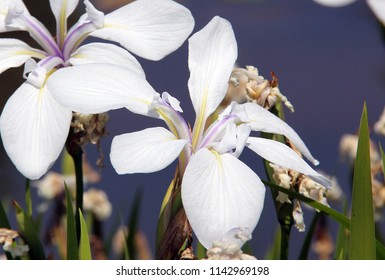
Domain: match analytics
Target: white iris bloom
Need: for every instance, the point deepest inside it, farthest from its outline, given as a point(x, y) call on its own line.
point(34, 127)
point(219, 192)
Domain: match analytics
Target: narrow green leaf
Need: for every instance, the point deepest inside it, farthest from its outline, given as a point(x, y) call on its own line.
point(29, 234)
point(341, 251)
point(200, 251)
point(28, 199)
point(4, 222)
point(72, 243)
point(84, 246)
point(274, 251)
point(383, 160)
point(309, 235)
point(362, 230)
point(133, 225)
point(337, 216)
point(67, 164)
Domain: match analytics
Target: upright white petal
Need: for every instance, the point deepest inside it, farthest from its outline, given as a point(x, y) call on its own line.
point(282, 155)
point(212, 54)
point(145, 151)
point(34, 128)
point(334, 3)
point(14, 53)
point(5, 6)
point(100, 88)
point(62, 9)
point(220, 193)
point(150, 29)
point(106, 53)
point(261, 119)
point(378, 8)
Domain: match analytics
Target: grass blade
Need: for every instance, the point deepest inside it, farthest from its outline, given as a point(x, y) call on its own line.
point(273, 252)
point(72, 243)
point(28, 199)
point(4, 222)
point(342, 239)
point(84, 246)
point(29, 233)
point(383, 159)
point(362, 229)
point(309, 235)
point(133, 225)
point(335, 215)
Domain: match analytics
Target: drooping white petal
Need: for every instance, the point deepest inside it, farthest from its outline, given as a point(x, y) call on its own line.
point(378, 8)
point(14, 53)
point(261, 119)
point(105, 53)
point(334, 3)
point(62, 9)
point(282, 155)
point(145, 151)
point(150, 29)
point(212, 54)
point(34, 128)
point(96, 88)
point(5, 6)
point(220, 193)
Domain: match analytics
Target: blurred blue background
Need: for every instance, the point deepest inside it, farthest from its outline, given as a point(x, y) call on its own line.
point(328, 61)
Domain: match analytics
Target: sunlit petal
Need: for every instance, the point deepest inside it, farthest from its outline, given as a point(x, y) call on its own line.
point(219, 193)
point(150, 29)
point(145, 151)
point(34, 128)
point(282, 155)
point(261, 119)
point(100, 88)
point(105, 53)
point(14, 53)
point(212, 54)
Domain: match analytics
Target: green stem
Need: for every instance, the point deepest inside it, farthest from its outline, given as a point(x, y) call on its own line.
point(79, 189)
point(28, 200)
point(285, 219)
point(75, 150)
point(285, 238)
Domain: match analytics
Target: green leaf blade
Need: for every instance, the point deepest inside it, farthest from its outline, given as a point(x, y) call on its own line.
point(29, 233)
point(84, 246)
point(362, 242)
point(72, 243)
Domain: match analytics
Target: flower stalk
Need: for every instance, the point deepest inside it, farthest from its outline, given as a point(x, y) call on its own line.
point(76, 152)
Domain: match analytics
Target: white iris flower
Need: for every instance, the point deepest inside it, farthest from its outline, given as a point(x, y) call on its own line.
point(219, 192)
point(34, 127)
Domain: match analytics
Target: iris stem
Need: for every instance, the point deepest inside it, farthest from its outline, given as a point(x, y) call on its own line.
point(79, 190)
point(76, 152)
